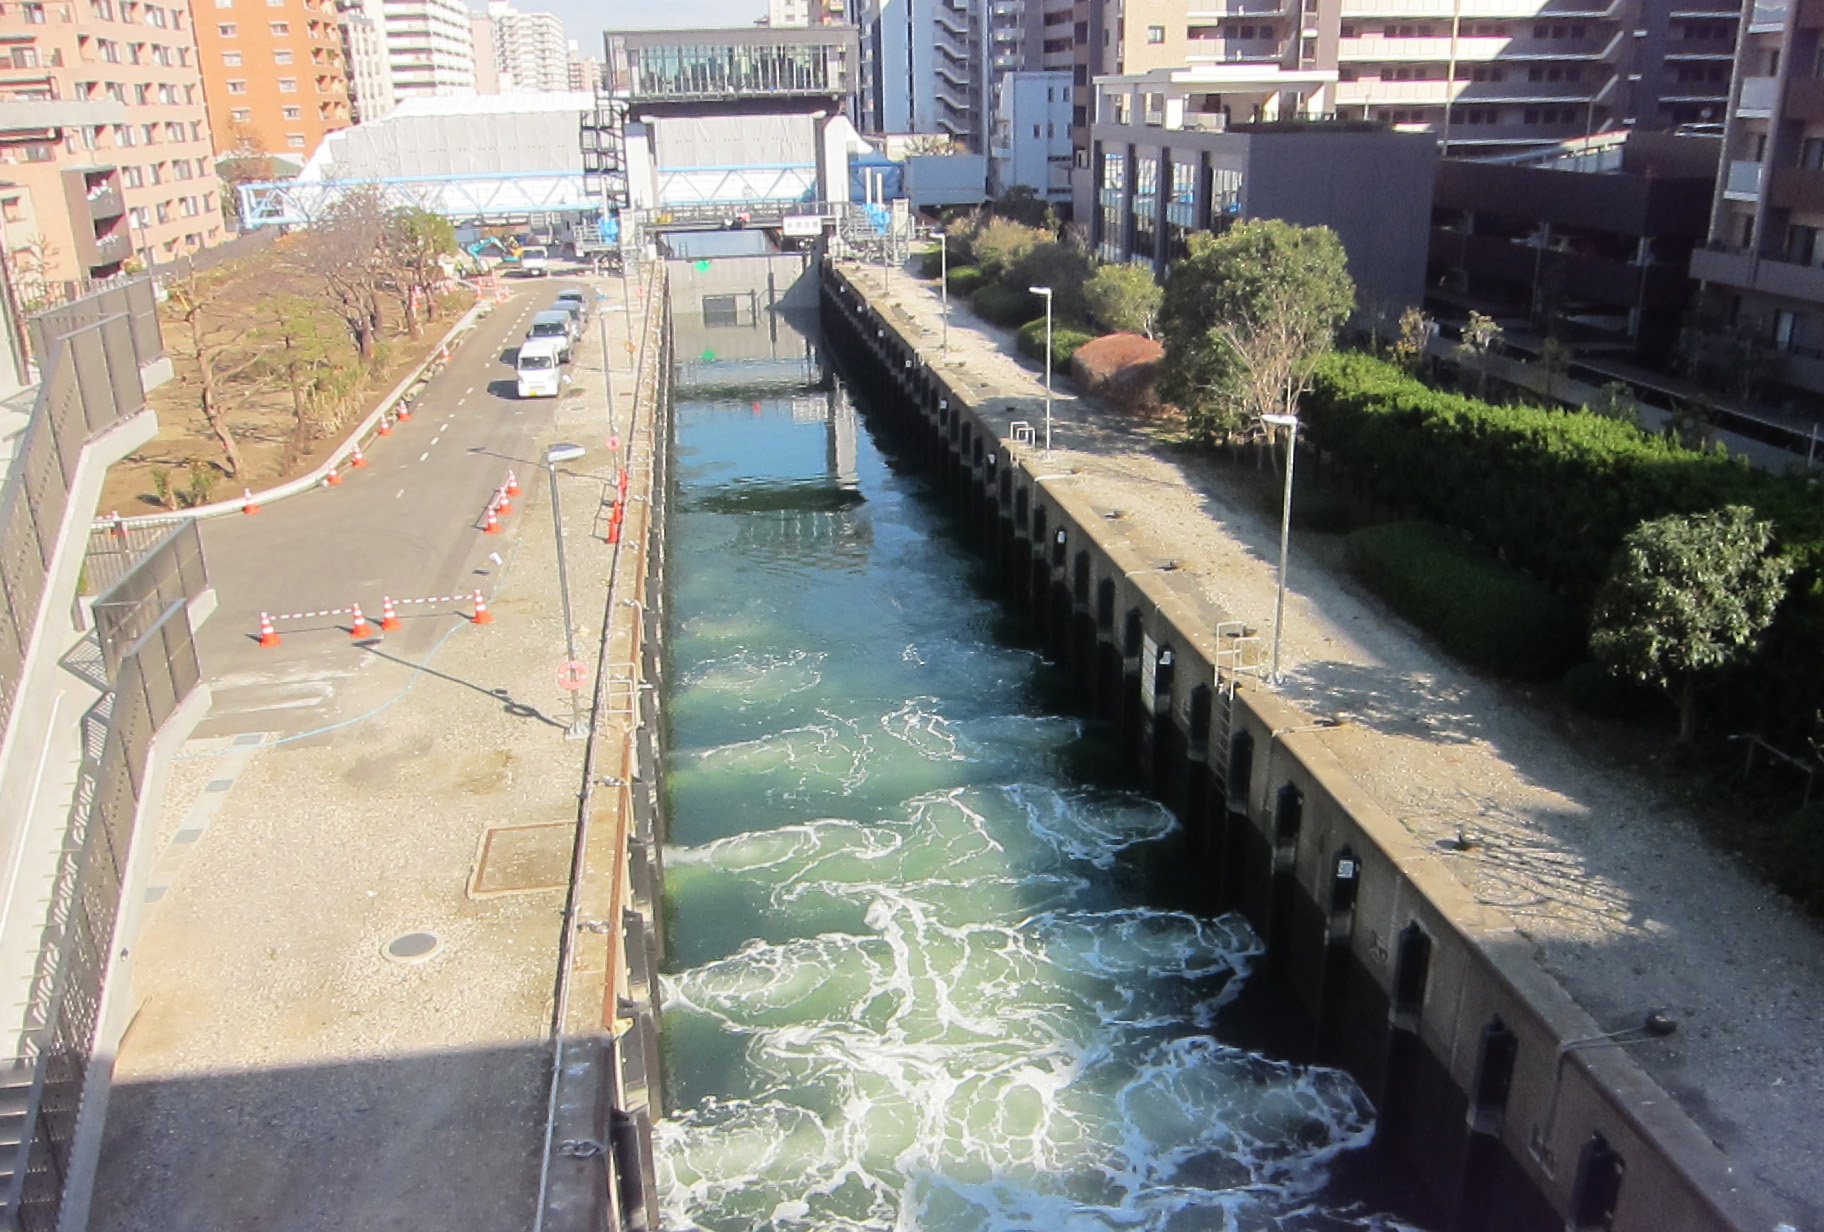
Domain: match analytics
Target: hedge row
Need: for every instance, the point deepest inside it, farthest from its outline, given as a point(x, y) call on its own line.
point(966, 280)
point(1003, 306)
point(1553, 492)
point(1066, 337)
point(1486, 614)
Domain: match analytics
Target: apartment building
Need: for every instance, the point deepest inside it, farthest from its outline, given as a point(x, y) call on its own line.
point(527, 51)
point(274, 73)
point(1764, 263)
point(584, 72)
point(430, 47)
point(1487, 77)
point(364, 54)
point(148, 163)
point(1031, 146)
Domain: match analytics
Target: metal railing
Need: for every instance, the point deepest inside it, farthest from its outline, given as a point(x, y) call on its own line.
point(170, 570)
point(155, 674)
point(94, 349)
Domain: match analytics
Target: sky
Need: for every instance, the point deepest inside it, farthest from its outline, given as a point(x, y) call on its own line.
point(584, 20)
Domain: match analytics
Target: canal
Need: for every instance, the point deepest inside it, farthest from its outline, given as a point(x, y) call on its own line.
point(919, 975)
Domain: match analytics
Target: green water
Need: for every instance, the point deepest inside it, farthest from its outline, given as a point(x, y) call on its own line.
point(911, 983)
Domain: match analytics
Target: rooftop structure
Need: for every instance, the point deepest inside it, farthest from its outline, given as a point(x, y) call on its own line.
point(740, 65)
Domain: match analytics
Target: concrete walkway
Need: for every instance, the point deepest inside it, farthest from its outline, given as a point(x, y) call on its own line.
point(344, 985)
point(1633, 910)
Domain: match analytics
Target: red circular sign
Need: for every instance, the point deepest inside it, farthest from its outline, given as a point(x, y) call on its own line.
point(571, 675)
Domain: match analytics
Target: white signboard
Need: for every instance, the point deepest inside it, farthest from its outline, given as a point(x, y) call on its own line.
point(803, 224)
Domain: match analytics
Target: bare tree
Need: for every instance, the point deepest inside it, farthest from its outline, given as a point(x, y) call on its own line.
point(345, 251)
point(219, 339)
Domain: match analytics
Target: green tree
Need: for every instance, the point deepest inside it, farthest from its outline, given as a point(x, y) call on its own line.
point(1734, 356)
point(1417, 329)
point(1688, 596)
point(1054, 264)
point(1124, 298)
point(1481, 338)
point(416, 243)
point(1246, 317)
point(999, 244)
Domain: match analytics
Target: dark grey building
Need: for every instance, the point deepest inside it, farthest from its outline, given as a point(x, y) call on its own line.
point(1147, 187)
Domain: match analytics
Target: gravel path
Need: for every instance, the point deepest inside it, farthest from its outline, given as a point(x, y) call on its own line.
point(1633, 910)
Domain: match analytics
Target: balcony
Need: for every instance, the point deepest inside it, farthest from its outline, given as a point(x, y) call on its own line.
point(1743, 182)
point(1239, 8)
point(1523, 10)
point(1465, 93)
point(1747, 272)
point(1796, 188)
point(1233, 51)
point(105, 201)
point(113, 247)
point(1805, 99)
point(1758, 95)
point(1440, 50)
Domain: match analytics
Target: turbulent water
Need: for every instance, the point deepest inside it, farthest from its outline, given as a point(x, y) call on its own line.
point(912, 983)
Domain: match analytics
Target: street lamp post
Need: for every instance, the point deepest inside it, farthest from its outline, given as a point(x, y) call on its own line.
point(1290, 423)
point(554, 455)
point(1046, 292)
point(943, 282)
point(601, 320)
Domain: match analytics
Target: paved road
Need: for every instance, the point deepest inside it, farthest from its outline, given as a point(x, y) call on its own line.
point(408, 525)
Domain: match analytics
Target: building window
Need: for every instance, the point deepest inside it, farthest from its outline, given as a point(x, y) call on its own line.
point(281, 55)
point(1155, 34)
point(237, 87)
point(224, 4)
point(294, 113)
point(280, 29)
point(231, 59)
point(295, 140)
point(288, 85)
point(34, 14)
point(102, 10)
point(240, 115)
point(227, 30)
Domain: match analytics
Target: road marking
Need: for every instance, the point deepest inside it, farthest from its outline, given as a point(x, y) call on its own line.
point(425, 455)
point(399, 493)
point(444, 426)
point(435, 439)
point(469, 390)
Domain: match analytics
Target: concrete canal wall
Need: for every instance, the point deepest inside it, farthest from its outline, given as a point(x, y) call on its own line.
point(1505, 1096)
point(606, 1084)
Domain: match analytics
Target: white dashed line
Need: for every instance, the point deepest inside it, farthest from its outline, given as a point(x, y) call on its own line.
point(435, 439)
point(399, 493)
point(424, 456)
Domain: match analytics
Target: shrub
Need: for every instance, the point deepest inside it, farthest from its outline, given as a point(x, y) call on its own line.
point(1795, 855)
point(1124, 298)
point(1485, 613)
point(931, 264)
point(1000, 244)
point(1593, 689)
point(966, 280)
point(1066, 337)
point(1004, 306)
point(1062, 267)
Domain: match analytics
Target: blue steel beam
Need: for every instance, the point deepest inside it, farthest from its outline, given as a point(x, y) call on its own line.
point(486, 198)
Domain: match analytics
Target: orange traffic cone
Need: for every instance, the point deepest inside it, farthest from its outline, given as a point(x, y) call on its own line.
point(493, 526)
point(502, 505)
point(443, 355)
point(512, 484)
point(405, 412)
point(247, 505)
point(355, 458)
point(360, 628)
point(614, 532)
point(120, 525)
point(333, 478)
point(389, 619)
point(482, 616)
point(386, 426)
point(268, 635)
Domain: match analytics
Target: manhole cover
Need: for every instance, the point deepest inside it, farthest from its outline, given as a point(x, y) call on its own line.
point(412, 947)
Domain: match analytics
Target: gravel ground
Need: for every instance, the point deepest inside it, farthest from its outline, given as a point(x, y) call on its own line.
point(1632, 909)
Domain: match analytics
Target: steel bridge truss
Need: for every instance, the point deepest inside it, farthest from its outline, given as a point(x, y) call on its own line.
point(483, 198)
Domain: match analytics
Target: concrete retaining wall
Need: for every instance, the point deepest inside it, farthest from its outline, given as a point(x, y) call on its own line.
point(1485, 1073)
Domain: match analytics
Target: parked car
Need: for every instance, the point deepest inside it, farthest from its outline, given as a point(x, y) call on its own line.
point(576, 312)
point(579, 298)
point(539, 367)
point(553, 323)
point(534, 261)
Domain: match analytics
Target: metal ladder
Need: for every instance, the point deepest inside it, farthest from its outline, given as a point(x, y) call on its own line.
point(1237, 655)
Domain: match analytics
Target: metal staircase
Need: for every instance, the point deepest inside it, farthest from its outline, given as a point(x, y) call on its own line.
point(1237, 655)
point(603, 138)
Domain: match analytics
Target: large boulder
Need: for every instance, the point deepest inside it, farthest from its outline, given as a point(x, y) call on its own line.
point(1119, 368)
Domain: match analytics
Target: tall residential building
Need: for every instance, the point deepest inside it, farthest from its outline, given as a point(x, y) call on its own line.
point(1486, 76)
point(1032, 135)
point(788, 14)
point(529, 49)
point(1765, 260)
point(274, 75)
point(487, 68)
point(585, 72)
point(135, 179)
point(370, 75)
point(430, 48)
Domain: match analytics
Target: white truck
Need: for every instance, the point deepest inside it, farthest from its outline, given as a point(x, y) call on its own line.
point(534, 261)
point(540, 367)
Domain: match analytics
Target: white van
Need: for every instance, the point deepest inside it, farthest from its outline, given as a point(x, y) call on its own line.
point(540, 367)
point(534, 261)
